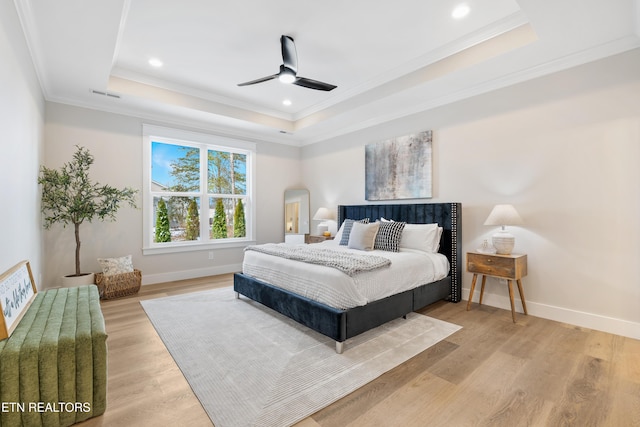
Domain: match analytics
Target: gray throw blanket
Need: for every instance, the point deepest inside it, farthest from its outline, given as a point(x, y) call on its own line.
point(349, 263)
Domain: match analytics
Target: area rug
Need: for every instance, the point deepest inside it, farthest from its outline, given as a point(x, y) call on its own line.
point(251, 366)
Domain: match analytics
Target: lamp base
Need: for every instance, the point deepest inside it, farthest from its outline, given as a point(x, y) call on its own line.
point(322, 228)
point(503, 242)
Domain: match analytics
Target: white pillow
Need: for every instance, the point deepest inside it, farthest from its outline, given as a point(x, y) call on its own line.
point(422, 237)
point(436, 242)
point(111, 266)
point(345, 229)
point(363, 236)
point(338, 235)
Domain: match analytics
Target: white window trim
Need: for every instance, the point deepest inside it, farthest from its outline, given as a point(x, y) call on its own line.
point(150, 132)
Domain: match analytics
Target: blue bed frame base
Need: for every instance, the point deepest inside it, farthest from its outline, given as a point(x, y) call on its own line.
point(341, 325)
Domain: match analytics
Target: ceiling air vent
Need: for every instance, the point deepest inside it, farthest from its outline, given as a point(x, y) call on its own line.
point(99, 92)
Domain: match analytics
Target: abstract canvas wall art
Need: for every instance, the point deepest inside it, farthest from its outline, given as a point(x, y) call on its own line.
point(399, 168)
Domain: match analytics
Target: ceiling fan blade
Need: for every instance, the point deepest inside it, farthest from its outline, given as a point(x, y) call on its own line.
point(313, 84)
point(263, 79)
point(289, 54)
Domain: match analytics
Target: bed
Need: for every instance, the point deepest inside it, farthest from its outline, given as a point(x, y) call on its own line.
point(341, 324)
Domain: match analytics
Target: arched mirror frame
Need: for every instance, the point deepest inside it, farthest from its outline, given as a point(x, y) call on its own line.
point(296, 215)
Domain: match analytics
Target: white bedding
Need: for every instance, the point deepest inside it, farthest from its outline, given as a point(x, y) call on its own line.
point(409, 269)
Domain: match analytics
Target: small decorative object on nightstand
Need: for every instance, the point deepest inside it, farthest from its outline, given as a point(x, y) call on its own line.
point(510, 267)
point(486, 248)
point(310, 238)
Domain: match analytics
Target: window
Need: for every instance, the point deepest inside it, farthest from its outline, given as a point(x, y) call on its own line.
point(198, 191)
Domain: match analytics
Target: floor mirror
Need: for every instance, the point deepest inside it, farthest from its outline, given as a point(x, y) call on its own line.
point(296, 215)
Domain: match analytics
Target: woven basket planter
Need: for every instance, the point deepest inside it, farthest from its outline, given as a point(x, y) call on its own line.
point(119, 285)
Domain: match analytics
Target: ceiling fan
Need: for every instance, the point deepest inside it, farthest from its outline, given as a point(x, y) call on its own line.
point(289, 69)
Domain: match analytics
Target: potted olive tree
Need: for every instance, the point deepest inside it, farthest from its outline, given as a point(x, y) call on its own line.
point(69, 197)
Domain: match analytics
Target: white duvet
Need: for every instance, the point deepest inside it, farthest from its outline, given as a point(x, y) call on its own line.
point(409, 269)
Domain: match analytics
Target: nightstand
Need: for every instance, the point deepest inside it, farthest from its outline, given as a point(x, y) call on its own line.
point(310, 238)
point(510, 267)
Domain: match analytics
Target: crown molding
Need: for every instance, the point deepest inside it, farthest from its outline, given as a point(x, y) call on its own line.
point(170, 119)
point(486, 33)
point(145, 79)
point(30, 30)
point(589, 55)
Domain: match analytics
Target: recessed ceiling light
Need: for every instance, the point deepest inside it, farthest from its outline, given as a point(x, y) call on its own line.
point(286, 102)
point(460, 11)
point(155, 62)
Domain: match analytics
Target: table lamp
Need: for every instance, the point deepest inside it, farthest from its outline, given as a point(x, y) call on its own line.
point(323, 214)
point(503, 215)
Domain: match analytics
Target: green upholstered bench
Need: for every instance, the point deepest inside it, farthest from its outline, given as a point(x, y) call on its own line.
point(53, 367)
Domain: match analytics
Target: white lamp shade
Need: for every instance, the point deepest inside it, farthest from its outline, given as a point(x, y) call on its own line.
point(503, 215)
point(323, 214)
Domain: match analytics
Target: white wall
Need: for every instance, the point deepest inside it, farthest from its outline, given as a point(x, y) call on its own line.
point(565, 151)
point(21, 121)
point(116, 143)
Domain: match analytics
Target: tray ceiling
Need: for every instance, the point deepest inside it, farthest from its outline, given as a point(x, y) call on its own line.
point(387, 59)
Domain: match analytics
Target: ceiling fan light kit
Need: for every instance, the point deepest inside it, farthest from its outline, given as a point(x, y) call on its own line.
point(286, 76)
point(289, 70)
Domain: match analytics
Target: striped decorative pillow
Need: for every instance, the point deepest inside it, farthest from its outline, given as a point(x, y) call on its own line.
point(389, 235)
point(346, 229)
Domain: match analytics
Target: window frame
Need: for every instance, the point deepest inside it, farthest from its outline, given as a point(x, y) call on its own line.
point(206, 142)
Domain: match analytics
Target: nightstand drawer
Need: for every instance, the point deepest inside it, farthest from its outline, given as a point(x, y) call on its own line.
point(509, 267)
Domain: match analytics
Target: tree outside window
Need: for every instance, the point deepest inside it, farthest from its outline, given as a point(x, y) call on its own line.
point(183, 175)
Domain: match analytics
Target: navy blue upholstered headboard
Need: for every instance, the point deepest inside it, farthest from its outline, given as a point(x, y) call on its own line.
point(448, 215)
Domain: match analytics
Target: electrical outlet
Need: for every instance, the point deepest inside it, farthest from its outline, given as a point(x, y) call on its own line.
point(210, 254)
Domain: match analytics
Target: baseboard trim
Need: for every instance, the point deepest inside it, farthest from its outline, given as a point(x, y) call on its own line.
point(150, 279)
point(559, 314)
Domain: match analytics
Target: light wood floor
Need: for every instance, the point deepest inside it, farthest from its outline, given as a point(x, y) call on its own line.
point(491, 373)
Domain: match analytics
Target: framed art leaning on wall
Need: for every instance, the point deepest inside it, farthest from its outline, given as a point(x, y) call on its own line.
point(399, 168)
point(17, 292)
